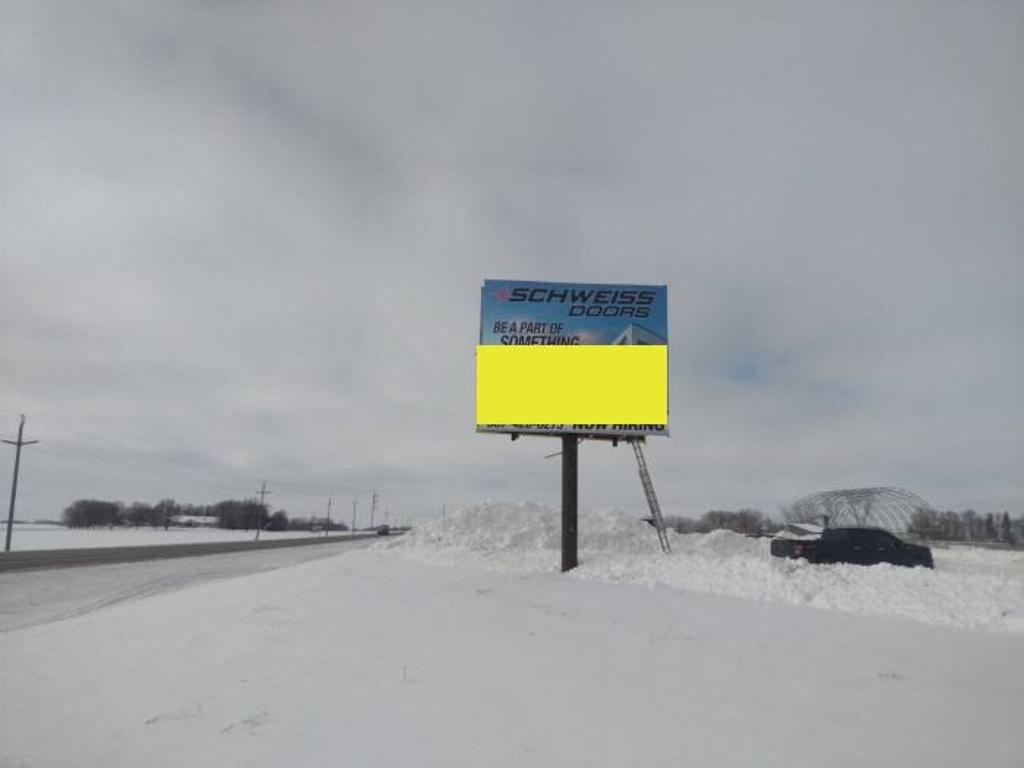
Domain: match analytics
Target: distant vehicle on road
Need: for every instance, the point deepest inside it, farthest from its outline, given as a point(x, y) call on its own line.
point(383, 530)
point(860, 546)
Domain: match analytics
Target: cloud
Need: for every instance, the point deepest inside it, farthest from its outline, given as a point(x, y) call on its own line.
point(245, 242)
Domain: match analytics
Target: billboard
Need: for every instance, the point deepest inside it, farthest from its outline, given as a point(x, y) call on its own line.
point(582, 358)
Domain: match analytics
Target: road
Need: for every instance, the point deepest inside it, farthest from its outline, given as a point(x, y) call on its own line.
point(38, 596)
point(60, 558)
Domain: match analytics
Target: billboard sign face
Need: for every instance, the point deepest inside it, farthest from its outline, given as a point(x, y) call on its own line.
point(582, 358)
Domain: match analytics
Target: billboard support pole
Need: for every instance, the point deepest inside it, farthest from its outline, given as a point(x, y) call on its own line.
point(570, 498)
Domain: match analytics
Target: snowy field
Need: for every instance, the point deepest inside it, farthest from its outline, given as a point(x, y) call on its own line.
point(461, 645)
point(47, 536)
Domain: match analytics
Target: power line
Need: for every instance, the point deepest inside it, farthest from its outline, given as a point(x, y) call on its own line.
point(152, 473)
point(152, 477)
point(152, 466)
point(78, 445)
point(14, 484)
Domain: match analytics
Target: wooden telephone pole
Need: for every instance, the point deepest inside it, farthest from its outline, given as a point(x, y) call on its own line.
point(263, 493)
point(14, 484)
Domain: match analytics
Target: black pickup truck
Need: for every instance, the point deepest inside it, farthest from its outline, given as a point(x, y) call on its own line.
point(861, 546)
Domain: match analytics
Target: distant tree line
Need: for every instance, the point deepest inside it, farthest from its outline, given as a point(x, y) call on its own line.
point(931, 524)
point(967, 525)
point(750, 521)
point(231, 513)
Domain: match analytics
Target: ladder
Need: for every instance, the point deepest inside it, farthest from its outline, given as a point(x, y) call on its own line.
point(652, 499)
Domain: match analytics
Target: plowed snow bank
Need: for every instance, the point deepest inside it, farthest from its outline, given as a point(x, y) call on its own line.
point(967, 589)
point(494, 528)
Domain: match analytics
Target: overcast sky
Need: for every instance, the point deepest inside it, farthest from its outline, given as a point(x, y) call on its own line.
point(244, 241)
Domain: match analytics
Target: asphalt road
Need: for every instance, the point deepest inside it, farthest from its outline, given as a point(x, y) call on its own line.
point(42, 595)
point(62, 558)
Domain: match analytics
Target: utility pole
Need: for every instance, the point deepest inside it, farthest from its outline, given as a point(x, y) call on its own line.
point(14, 484)
point(263, 493)
point(354, 502)
point(373, 507)
point(327, 528)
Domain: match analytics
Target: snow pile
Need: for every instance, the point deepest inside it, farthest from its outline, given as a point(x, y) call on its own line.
point(527, 527)
point(522, 537)
point(967, 589)
point(961, 598)
point(720, 544)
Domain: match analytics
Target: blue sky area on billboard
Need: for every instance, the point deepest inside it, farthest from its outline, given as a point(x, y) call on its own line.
point(528, 312)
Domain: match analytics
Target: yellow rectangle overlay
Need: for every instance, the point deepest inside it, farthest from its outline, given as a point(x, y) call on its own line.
point(584, 384)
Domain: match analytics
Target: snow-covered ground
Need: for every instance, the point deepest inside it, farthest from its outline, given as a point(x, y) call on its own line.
point(968, 588)
point(27, 536)
point(462, 645)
